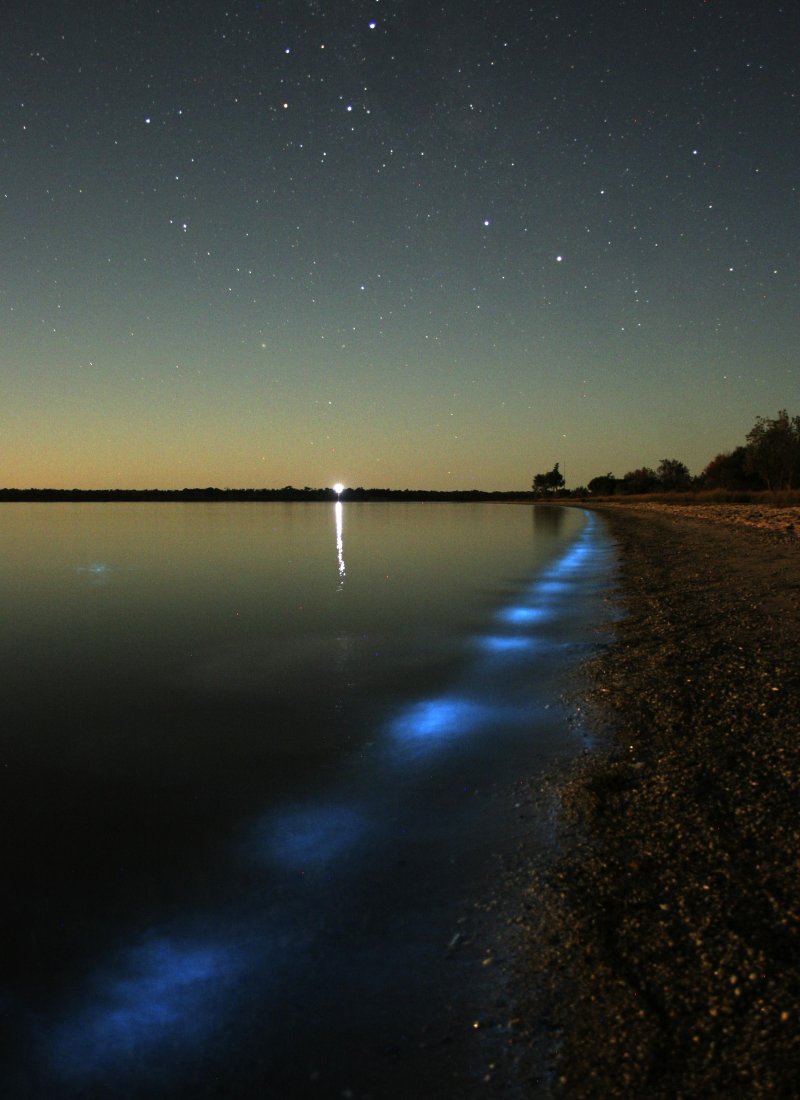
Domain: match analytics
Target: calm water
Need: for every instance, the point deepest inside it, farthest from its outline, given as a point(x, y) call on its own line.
point(257, 764)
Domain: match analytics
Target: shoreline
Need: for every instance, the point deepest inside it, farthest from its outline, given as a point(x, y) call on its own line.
point(657, 953)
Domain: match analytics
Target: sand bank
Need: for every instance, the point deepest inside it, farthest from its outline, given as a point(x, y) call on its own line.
point(763, 517)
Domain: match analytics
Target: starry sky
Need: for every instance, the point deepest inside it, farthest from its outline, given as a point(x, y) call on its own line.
point(392, 243)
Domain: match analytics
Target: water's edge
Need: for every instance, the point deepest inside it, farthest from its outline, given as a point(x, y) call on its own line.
point(346, 956)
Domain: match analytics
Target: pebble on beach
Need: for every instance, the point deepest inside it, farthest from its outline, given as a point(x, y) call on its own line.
point(660, 951)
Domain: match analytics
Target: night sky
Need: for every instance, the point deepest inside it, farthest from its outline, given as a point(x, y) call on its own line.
point(392, 244)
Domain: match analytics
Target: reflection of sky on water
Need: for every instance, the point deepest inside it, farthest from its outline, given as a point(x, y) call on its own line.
point(166, 998)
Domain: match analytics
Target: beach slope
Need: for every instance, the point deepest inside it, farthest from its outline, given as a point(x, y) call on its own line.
point(663, 943)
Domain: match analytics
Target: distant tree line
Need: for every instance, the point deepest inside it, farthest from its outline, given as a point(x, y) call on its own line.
point(769, 459)
point(670, 476)
point(287, 493)
point(771, 456)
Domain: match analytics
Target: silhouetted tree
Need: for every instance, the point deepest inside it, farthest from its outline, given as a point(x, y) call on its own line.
point(643, 480)
point(544, 484)
point(555, 479)
point(773, 450)
point(729, 471)
point(604, 485)
point(673, 475)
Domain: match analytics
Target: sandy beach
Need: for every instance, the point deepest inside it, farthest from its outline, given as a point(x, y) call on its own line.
point(660, 949)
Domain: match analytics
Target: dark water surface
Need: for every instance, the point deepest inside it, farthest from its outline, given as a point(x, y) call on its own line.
point(254, 770)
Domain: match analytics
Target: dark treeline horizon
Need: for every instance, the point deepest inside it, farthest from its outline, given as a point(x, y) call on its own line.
point(287, 493)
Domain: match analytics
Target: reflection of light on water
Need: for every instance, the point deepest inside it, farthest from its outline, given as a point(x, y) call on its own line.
point(339, 540)
point(98, 571)
point(161, 993)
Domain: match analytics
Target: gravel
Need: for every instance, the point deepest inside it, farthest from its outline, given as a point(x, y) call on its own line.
point(659, 950)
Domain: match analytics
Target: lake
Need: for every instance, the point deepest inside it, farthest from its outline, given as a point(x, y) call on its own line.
point(258, 766)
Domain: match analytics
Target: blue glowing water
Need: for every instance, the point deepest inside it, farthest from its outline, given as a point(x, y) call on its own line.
point(263, 763)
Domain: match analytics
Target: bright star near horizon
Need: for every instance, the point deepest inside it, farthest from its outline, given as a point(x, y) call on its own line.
point(279, 249)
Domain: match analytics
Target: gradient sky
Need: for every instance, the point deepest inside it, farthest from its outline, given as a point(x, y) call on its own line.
point(400, 244)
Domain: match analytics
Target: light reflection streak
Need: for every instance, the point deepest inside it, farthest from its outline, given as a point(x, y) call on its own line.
point(338, 510)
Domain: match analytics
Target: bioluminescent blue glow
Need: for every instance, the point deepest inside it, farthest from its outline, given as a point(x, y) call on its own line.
point(437, 720)
point(554, 582)
point(552, 587)
point(522, 615)
point(162, 993)
point(506, 643)
point(310, 836)
point(573, 559)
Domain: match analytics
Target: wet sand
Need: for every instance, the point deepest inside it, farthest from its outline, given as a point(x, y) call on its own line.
point(660, 951)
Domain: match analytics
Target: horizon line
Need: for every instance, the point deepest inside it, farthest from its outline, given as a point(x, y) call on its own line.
point(307, 490)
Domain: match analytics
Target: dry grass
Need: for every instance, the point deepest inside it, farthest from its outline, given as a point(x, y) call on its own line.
point(783, 498)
